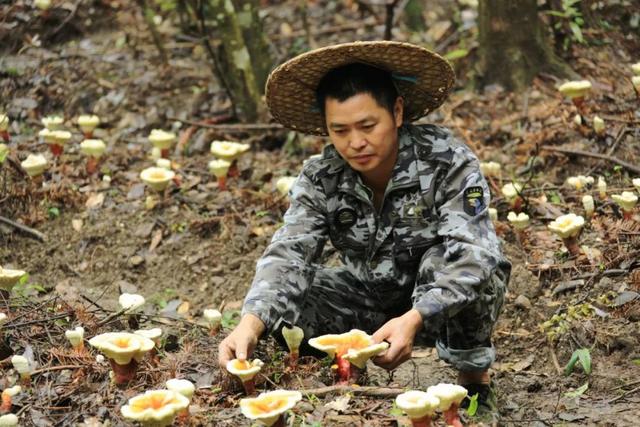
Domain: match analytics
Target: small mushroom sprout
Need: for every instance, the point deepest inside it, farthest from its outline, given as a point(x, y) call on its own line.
point(246, 371)
point(627, 201)
point(490, 168)
point(568, 227)
point(589, 205)
point(87, 124)
point(576, 91)
point(23, 368)
point(636, 184)
point(598, 125)
point(293, 337)
point(56, 139)
point(155, 407)
point(353, 347)
point(9, 420)
point(94, 149)
point(269, 408)
point(53, 122)
point(163, 141)
point(450, 396)
point(7, 395)
point(214, 319)
point(124, 351)
point(419, 406)
point(4, 126)
point(157, 178)
point(220, 168)
point(283, 184)
point(9, 278)
point(34, 165)
point(76, 339)
point(602, 188)
point(579, 182)
point(511, 192)
point(229, 151)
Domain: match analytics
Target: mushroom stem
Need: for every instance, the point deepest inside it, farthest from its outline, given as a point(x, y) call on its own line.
point(164, 153)
point(421, 422)
point(6, 403)
point(222, 183)
point(56, 149)
point(344, 370)
point(293, 358)
point(571, 244)
point(123, 373)
point(5, 135)
point(627, 215)
point(234, 172)
point(279, 422)
point(451, 416)
point(213, 330)
point(249, 387)
point(88, 135)
point(92, 165)
point(183, 417)
point(517, 204)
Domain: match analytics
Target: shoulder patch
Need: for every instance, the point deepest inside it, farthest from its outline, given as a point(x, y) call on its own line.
point(473, 200)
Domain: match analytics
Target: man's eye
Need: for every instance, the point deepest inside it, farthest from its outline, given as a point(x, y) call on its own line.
point(340, 131)
point(368, 126)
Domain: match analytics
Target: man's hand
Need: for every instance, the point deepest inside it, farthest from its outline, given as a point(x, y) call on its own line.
point(399, 332)
point(239, 344)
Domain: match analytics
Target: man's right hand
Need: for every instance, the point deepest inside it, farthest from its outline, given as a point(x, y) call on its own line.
point(241, 342)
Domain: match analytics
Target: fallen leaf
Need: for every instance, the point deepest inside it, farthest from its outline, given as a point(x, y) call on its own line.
point(95, 200)
point(183, 308)
point(76, 224)
point(155, 240)
point(341, 404)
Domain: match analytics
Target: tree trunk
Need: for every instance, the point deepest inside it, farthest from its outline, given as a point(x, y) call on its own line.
point(513, 46)
point(243, 56)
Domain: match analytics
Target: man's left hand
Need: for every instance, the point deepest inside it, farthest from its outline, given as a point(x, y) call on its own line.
point(399, 332)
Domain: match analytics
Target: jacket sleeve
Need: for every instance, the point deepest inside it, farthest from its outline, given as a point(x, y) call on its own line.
point(451, 273)
point(287, 268)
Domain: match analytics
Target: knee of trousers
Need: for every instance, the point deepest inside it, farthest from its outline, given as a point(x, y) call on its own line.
point(473, 359)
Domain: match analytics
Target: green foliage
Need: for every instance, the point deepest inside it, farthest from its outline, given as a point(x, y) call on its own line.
point(571, 18)
point(230, 319)
point(473, 405)
point(577, 392)
point(395, 411)
point(559, 324)
point(456, 54)
point(162, 298)
point(53, 212)
point(582, 355)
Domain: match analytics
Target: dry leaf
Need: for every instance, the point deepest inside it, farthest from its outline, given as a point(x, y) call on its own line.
point(341, 404)
point(76, 224)
point(95, 200)
point(155, 240)
point(183, 308)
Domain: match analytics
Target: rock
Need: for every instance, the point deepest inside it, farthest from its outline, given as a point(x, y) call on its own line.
point(523, 282)
point(136, 261)
point(523, 302)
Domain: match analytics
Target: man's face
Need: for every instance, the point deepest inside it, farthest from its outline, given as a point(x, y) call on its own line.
point(364, 133)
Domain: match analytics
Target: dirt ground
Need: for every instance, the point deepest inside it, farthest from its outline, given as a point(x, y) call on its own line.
point(197, 248)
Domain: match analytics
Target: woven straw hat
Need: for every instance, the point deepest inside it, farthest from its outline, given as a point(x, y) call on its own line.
point(423, 78)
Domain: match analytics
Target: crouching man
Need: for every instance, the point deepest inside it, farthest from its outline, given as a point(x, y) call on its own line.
point(405, 205)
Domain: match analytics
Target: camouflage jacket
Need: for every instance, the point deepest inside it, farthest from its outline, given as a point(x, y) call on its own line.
point(436, 201)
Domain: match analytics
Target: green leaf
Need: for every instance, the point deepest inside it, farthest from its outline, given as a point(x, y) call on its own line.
point(456, 54)
point(53, 212)
point(577, 392)
point(636, 362)
point(230, 319)
point(473, 405)
point(581, 355)
point(577, 32)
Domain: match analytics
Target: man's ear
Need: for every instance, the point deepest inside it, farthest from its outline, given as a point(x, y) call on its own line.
point(398, 111)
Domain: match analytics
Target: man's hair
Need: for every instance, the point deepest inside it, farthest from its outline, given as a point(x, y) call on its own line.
point(349, 80)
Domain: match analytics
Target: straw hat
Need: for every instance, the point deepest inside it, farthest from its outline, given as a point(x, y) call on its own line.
point(423, 78)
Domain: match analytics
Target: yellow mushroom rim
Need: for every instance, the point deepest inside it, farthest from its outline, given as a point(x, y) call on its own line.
point(184, 387)
point(21, 364)
point(575, 89)
point(75, 336)
point(635, 80)
point(636, 68)
point(4, 122)
point(359, 357)
point(9, 420)
point(34, 165)
point(157, 178)
point(122, 347)
point(627, 200)
point(155, 407)
point(447, 394)
point(52, 122)
point(269, 406)
point(219, 167)
point(283, 184)
point(60, 137)
point(93, 147)
point(417, 404)
point(228, 150)
point(88, 122)
point(9, 278)
point(490, 168)
point(566, 226)
point(519, 221)
point(337, 345)
point(162, 139)
point(244, 369)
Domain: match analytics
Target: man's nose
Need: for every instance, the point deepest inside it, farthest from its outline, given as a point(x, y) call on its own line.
point(358, 140)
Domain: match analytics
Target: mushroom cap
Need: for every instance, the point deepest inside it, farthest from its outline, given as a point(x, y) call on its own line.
point(587, 202)
point(635, 80)
point(567, 225)
point(244, 369)
point(12, 391)
point(20, 364)
point(339, 344)
point(184, 387)
point(75, 336)
point(636, 68)
point(575, 89)
point(627, 200)
point(4, 122)
point(122, 346)
point(60, 137)
point(519, 221)
point(156, 407)
point(228, 150)
point(9, 420)
point(9, 278)
point(359, 357)
point(447, 394)
point(152, 334)
point(283, 184)
point(162, 139)
point(52, 122)
point(511, 190)
point(163, 163)
point(578, 182)
point(88, 122)
point(219, 167)
point(3, 319)
point(269, 406)
point(636, 184)
point(93, 147)
point(47, 135)
point(293, 337)
point(417, 404)
point(157, 178)
point(130, 302)
point(490, 168)
point(212, 316)
point(34, 164)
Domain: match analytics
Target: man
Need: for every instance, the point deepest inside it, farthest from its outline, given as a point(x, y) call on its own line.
point(406, 207)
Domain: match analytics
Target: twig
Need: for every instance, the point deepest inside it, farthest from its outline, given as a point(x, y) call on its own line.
point(33, 322)
point(612, 159)
point(27, 230)
point(240, 127)
point(554, 359)
point(67, 19)
point(55, 368)
point(357, 391)
point(625, 394)
point(110, 317)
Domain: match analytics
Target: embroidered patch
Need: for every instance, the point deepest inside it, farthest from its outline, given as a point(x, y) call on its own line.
point(473, 201)
point(345, 217)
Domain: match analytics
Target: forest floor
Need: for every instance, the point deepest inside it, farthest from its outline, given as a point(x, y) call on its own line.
point(198, 246)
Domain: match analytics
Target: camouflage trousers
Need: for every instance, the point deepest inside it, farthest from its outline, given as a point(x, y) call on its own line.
point(336, 303)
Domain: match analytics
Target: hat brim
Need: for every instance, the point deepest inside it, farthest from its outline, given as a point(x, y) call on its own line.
point(423, 78)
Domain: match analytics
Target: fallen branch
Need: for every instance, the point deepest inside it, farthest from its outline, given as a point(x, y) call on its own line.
point(55, 368)
point(612, 159)
point(625, 394)
point(27, 230)
point(240, 127)
point(355, 390)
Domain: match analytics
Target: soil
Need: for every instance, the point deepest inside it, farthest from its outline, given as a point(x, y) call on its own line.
point(197, 247)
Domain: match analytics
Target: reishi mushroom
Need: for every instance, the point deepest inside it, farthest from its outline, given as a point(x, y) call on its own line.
point(419, 406)
point(23, 368)
point(7, 395)
point(4, 125)
point(94, 149)
point(245, 370)
point(490, 168)
point(162, 140)
point(155, 407)
point(283, 184)
point(76, 338)
point(124, 351)
point(9, 278)
point(185, 388)
point(598, 125)
point(580, 181)
point(269, 407)
point(450, 397)
point(157, 178)
point(34, 165)
point(52, 122)
point(154, 334)
point(627, 201)
point(511, 192)
point(602, 188)
point(9, 420)
point(353, 347)
point(588, 204)
point(214, 319)
point(229, 151)
point(576, 91)
point(636, 184)
point(56, 139)
point(567, 227)
point(293, 337)
point(87, 124)
point(519, 221)
point(220, 168)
